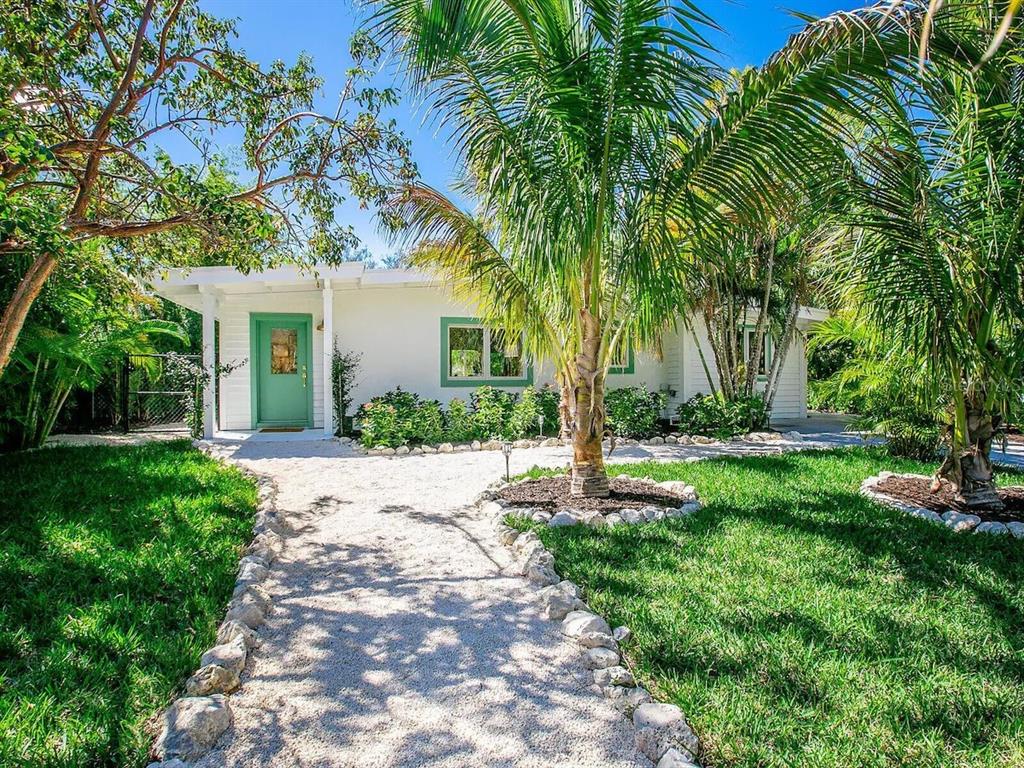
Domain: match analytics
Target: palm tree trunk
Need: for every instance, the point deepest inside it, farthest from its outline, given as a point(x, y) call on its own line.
point(779, 357)
point(968, 465)
point(565, 406)
point(588, 475)
point(13, 319)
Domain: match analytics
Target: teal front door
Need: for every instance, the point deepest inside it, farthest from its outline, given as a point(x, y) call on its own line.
point(282, 370)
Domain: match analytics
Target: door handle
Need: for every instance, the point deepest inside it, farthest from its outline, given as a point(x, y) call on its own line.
point(303, 377)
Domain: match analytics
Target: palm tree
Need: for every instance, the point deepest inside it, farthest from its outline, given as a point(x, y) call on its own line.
point(597, 146)
point(932, 248)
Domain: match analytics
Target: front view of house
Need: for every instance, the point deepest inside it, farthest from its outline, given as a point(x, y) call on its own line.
point(272, 331)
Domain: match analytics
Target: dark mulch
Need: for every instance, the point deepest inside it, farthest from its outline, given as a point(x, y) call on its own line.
point(552, 494)
point(917, 491)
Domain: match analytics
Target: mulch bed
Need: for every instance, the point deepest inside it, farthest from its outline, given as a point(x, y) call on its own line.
point(917, 491)
point(551, 494)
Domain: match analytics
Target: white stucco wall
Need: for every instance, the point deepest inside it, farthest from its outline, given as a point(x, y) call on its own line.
point(397, 331)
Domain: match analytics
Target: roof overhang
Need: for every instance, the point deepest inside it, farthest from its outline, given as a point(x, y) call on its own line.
point(187, 286)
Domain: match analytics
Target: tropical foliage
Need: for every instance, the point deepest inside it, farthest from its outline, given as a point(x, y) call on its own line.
point(84, 150)
point(602, 155)
point(635, 413)
point(404, 418)
point(86, 320)
point(930, 248)
point(716, 416)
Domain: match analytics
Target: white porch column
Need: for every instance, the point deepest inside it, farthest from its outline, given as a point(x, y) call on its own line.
point(328, 387)
point(209, 364)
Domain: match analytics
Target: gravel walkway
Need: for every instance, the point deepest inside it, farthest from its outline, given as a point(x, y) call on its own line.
point(397, 638)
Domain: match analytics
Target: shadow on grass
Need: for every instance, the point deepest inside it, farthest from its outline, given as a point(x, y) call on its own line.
point(792, 604)
point(115, 564)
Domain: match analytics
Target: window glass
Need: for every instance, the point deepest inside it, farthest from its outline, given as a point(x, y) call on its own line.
point(465, 352)
point(749, 343)
point(506, 358)
point(284, 344)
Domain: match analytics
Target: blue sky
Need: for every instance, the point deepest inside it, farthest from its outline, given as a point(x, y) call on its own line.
point(270, 29)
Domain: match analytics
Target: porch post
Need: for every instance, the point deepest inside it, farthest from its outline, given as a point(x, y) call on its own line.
point(328, 385)
point(209, 365)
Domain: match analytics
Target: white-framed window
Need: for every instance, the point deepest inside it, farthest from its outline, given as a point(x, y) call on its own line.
point(749, 335)
point(474, 354)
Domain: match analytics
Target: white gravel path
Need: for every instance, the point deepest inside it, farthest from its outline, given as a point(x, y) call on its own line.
point(396, 637)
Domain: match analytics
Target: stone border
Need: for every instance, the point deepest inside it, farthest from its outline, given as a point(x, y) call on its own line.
point(661, 731)
point(960, 522)
point(191, 725)
point(554, 442)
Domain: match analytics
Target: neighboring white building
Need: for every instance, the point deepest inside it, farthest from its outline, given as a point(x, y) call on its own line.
point(276, 327)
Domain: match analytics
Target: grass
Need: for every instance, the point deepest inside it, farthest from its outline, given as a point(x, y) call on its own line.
point(115, 567)
point(798, 624)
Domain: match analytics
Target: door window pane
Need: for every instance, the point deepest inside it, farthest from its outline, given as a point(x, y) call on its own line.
point(506, 358)
point(284, 344)
point(465, 352)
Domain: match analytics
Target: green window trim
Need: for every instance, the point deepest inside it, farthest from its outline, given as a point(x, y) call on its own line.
point(768, 350)
point(475, 381)
point(625, 370)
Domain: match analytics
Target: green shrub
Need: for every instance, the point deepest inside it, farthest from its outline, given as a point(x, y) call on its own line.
point(389, 419)
point(429, 423)
point(549, 398)
point(634, 412)
point(458, 425)
point(910, 432)
point(715, 416)
point(492, 413)
point(532, 404)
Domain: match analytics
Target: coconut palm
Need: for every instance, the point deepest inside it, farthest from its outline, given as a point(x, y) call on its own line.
point(596, 143)
point(932, 248)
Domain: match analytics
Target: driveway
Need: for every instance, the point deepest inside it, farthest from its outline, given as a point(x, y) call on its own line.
point(398, 637)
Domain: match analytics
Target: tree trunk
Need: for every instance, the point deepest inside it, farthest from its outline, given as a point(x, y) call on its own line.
point(779, 357)
point(565, 406)
point(588, 475)
point(754, 356)
point(970, 469)
point(13, 319)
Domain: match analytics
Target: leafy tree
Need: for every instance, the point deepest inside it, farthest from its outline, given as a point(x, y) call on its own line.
point(92, 90)
point(931, 249)
point(600, 152)
point(75, 334)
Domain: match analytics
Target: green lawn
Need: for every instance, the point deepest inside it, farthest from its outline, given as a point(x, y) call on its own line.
point(115, 567)
point(800, 625)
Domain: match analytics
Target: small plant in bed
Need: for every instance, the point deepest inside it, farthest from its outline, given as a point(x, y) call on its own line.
point(798, 623)
point(116, 565)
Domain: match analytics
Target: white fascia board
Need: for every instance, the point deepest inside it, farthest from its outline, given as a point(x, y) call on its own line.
point(813, 314)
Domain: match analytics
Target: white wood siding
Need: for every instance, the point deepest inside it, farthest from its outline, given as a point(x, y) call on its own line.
point(233, 313)
point(397, 330)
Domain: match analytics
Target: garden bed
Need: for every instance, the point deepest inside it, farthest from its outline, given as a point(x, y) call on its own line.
point(916, 491)
point(551, 494)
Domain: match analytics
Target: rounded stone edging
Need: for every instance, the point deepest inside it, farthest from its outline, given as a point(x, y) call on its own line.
point(554, 442)
point(661, 732)
point(193, 723)
point(959, 522)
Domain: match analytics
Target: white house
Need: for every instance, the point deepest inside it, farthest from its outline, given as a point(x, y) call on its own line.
point(276, 327)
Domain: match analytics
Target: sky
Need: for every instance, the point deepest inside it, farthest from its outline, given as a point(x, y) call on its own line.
point(271, 29)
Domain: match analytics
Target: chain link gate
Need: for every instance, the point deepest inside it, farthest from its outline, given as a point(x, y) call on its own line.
point(159, 391)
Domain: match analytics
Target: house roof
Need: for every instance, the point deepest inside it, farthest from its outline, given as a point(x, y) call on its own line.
point(186, 287)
